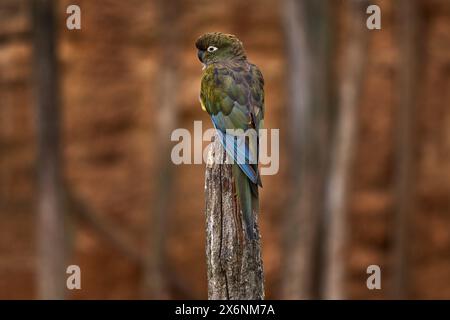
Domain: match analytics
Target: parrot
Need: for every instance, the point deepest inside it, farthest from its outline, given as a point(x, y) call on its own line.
point(232, 93)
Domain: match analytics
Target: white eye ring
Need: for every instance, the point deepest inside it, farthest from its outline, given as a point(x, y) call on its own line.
point(211, 49)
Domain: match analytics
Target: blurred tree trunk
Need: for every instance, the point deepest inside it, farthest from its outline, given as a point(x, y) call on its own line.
point(343, 149)
point(154, 285)
point(235, 269)
point(50, 224)
point(408, 39)
point(306, 25)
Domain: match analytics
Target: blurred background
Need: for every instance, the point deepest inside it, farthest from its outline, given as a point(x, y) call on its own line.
point(85, 170)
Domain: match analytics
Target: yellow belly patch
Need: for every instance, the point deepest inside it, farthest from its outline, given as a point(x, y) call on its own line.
point(201, 103)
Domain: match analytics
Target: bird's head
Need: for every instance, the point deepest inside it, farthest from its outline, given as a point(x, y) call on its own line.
point(216, 47)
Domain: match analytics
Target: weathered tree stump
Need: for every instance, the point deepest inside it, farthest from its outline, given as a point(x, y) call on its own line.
point(234, 264)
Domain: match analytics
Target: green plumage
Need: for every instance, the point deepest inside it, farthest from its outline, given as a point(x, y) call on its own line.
point(232, 93)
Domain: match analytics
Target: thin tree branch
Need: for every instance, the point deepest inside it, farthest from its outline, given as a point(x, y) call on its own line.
point(118, 239)
point(50, 219)
point(306, 25)
point(408, 38)
point(343, 150)
point(153, 285)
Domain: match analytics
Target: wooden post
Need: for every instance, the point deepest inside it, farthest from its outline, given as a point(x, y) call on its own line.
point(234, 263)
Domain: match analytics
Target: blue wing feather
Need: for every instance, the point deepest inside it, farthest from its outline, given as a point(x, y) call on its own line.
point(238, 149)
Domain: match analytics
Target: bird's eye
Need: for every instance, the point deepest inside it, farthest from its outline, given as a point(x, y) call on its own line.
point(211, 49)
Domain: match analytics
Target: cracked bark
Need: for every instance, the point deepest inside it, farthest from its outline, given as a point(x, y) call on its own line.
point(234, 264)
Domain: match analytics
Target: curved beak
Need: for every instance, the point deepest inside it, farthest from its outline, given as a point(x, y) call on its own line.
point(200, 55)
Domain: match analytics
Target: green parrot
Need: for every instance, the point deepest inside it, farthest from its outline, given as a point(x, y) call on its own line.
point(232, 92)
